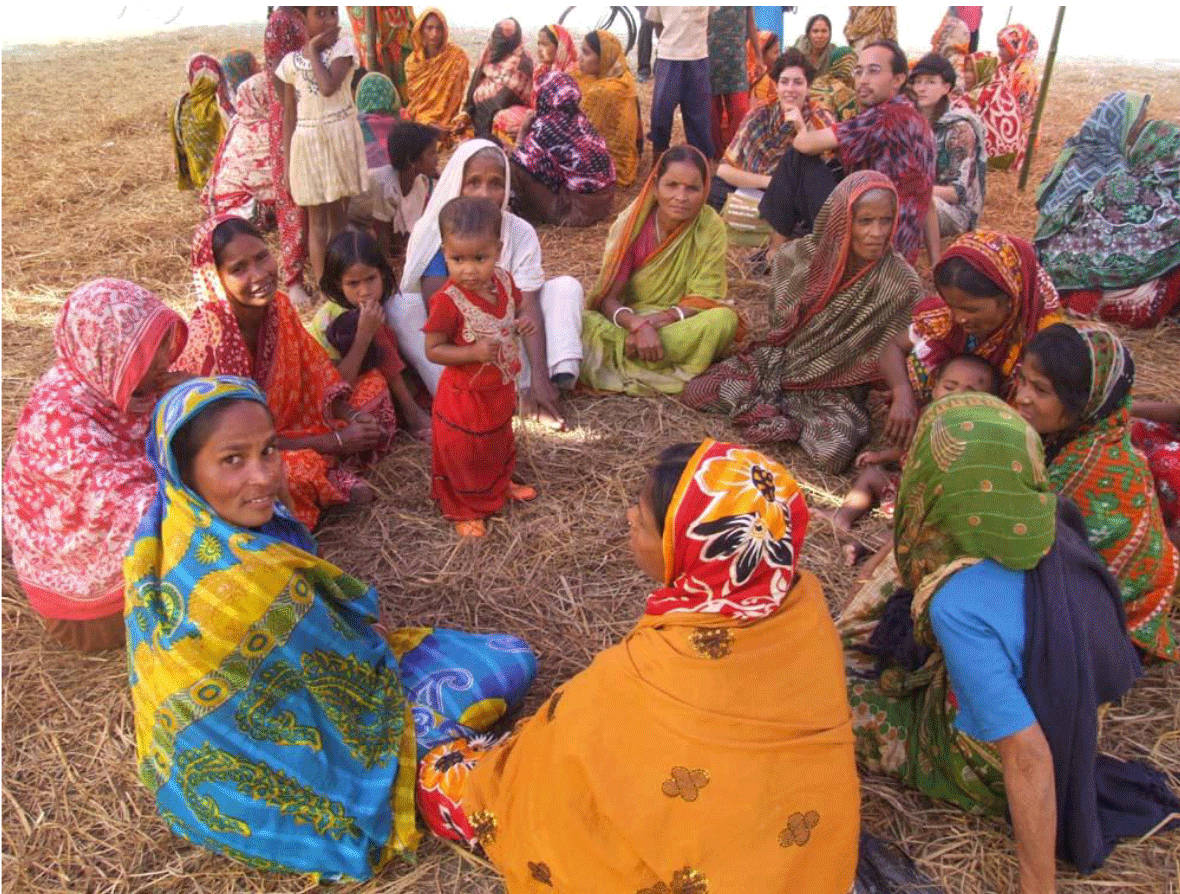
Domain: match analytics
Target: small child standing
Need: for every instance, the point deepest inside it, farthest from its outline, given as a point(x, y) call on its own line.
point(324, 144)
point(472, 331)
point(878, 484)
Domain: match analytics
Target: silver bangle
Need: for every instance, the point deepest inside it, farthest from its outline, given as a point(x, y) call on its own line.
point(679, 312)
point(339, 440)
point(614, 318)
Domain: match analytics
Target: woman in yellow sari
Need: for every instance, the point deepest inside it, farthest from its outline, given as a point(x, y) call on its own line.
point(656, 318)
point(436, 74)
point(610, 102)
point(660, 768)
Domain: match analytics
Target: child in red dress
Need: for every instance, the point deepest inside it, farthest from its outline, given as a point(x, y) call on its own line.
point(472, 331)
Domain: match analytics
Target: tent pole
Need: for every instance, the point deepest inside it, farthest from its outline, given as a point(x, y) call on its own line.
point(371, 38)
point(1044, 94)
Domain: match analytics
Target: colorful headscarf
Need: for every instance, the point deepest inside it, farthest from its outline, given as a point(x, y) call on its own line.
point(242, 175)
point(562, 148)
point(77, 480)
point(1096, 466)
point(286, 32)
point(1017, 45)
point(504, 65)
point(732, 535)
point(376, 93)
point(974, 487)
point(238, 65)
point(1010, 263)
point(223, 624)
point(202, 66)
point(565, 58)
point(435, 85)
point(199, 122)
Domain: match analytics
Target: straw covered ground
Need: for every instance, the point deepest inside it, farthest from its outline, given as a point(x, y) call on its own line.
point(88, 191)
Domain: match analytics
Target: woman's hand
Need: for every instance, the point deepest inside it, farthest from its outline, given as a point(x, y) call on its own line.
point(525, 326)
point(647, 343)
point(485, 350)
point(363, 433)
point(795, 117)
point(903, 417)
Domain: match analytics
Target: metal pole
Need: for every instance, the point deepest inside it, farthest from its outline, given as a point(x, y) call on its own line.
point(1036, 123)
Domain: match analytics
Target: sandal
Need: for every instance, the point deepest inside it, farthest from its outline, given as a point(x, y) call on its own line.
point(521, 492)
point(471, 527)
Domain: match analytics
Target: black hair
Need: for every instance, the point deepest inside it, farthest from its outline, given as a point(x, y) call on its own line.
point(815, 18)
point(682, 153)
point(350, 247)
point(342, 333)
point(995, 377)
point(225, 233)
point(469, 216)
point(407, 141)
point(191, 437)
point(792, 58)
point(958, 273)
point(360, 72)
point(664, 477)
point(934, 64)
point(900, 65)
point(1063, 357)
point(548, 32)
point(595, 42)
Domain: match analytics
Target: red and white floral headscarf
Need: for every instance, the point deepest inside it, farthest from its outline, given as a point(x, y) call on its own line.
point(78, 479)
point(732, 535)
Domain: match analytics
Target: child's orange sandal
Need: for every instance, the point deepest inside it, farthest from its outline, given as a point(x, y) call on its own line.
point(472, 527)
point(521, 492)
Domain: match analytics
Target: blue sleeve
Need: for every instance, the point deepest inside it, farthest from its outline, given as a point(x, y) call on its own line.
point(437, 266)
point(978, 618)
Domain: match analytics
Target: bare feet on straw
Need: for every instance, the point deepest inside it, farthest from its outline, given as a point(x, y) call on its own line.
point(521, 492)
point(472, 527)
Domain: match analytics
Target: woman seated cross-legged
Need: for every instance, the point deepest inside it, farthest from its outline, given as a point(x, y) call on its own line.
point(634, 771)
point(655, 317)
point(277, 721)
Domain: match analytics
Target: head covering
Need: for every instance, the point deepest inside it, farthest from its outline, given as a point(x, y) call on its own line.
point(732, 535)
point(1016, 44)
point(504, 65)
point(435, 85)
point(238, 65)
point(1096, 466)
point(974, 487)
point(225, 617)
point(286, 32)
point(202, 66)
point(565, 58)
point(562, 148)
point(425, 239)
point(609, 102)
point(934, 64)
point(77, 480)
point(242, 178)
point(1099, 148)
point(1011, 263)
point(376, 94)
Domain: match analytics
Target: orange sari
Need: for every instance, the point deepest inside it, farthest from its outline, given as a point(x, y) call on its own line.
point(435, 85)
point(298, 379)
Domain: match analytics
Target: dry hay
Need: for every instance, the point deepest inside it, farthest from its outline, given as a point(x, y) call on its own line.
point(92, 194)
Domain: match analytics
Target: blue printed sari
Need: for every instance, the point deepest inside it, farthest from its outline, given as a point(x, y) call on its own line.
point(273, 722)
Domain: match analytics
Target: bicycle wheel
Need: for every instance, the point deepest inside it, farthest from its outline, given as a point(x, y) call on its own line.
point(619, 20)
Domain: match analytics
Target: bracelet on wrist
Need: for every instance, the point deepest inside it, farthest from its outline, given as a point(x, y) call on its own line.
point(614, 318)
point(679, 312)
point(339, 440)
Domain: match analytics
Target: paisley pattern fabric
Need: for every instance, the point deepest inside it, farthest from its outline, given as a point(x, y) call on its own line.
point(632, 771)
point(1110, 209)
point(77, 480)
point(242, 182)
point(827, 329)
point(1011, 264)
point(274, 722)
point(1110, 482)
point(974, 487)
point(1161, 445)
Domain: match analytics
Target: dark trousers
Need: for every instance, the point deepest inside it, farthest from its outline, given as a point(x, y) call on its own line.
point(798, 188)
point(684, 84)
point(643, 51)
point(719, 191)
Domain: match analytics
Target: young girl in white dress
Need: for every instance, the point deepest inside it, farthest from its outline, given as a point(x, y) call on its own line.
point(325, 147)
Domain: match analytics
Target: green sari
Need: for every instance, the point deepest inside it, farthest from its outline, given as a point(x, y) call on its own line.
point(686, 269)
point(974, 488)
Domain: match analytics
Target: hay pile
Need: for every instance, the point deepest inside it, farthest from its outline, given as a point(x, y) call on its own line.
point(89, 191)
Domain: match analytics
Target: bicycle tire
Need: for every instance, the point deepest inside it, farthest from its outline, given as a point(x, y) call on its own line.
point(608, 19)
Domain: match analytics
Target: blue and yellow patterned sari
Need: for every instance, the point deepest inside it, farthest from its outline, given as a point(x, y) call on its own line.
point(273, 722)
